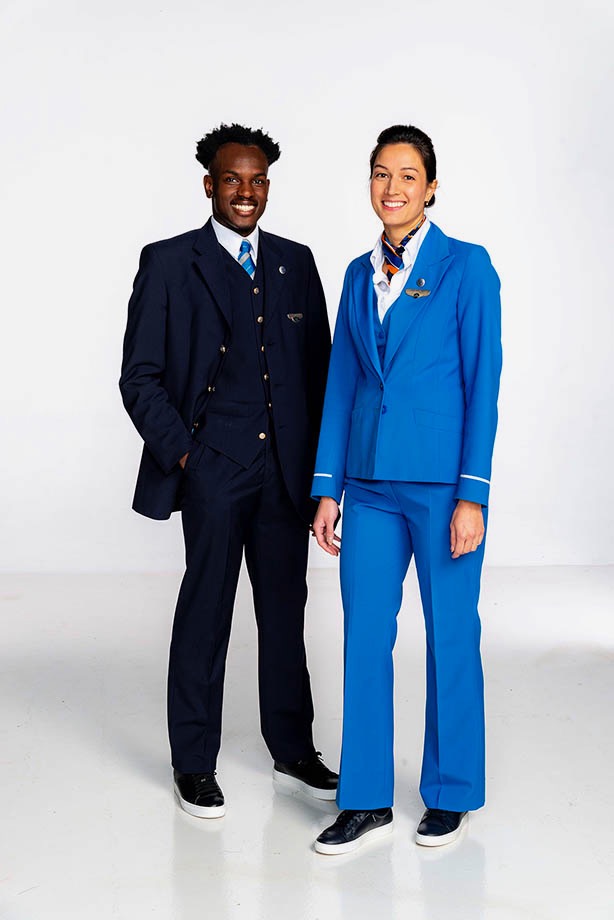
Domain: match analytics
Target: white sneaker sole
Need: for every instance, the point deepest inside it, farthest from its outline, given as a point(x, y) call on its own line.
point(426, 841)
point(337, 849)
point(291, 782)
point(200, 811)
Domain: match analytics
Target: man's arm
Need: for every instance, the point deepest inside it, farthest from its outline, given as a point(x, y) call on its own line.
point(144, 360)
point(318, 345)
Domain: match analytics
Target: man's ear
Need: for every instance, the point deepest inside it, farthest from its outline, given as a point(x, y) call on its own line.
point(208, 184)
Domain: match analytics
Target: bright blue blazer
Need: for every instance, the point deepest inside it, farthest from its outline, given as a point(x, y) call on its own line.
point(429, 414)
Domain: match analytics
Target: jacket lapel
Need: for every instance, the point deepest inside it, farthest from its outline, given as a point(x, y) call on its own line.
point(363, 293)
point(211, 268)
point(429, 268)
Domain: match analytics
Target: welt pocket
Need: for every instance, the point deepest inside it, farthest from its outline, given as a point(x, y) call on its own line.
point(438, 420)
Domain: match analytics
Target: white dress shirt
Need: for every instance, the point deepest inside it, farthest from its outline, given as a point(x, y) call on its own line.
point(388, 293)
point(231, 240)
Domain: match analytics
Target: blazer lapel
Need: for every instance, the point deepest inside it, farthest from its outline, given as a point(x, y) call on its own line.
point(429, 268)
point(211, 268)
point(363, 294)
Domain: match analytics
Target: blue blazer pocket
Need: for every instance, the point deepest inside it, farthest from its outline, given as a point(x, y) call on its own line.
point(438, 420)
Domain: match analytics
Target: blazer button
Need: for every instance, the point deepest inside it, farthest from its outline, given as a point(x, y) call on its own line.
point(262, 436)
point(210, 389)
point(420, 282)
point(262, 348)
point(256, 290)
point(223, 349)
point(266, 376)
point(381, 386)
point(195, 426)
point(260, 319)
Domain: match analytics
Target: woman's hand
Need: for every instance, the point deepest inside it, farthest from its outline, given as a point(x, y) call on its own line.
point(324, 526)
point(466, 528)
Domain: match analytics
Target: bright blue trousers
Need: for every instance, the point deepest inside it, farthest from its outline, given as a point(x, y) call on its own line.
point(384, 524)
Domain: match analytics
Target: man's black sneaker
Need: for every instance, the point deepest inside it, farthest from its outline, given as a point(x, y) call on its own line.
point(310, 776)
point(352, 829)
point(199, 794)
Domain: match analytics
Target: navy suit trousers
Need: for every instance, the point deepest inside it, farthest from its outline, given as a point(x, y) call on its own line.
point(225, 510)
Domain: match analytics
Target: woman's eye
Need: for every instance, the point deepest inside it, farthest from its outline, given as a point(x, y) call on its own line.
point(409, 177)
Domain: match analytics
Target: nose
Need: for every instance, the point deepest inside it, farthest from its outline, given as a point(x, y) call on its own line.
point(392, 186)
point(245, 189)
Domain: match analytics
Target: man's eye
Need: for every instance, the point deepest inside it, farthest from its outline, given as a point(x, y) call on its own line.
point(381, 175)
point(231, 179)
point(258, 181)
point(409, 177)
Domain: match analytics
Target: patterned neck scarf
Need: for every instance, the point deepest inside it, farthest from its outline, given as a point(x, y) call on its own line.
point(393, 255)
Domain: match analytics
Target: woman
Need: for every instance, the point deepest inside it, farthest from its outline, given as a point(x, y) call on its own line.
point(408, 429)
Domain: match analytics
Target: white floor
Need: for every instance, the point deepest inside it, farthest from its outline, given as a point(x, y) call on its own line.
point(90, 829)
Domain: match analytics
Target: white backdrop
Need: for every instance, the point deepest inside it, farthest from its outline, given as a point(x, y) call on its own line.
point(102, 106)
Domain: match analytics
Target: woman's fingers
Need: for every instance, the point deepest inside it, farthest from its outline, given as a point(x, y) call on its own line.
point(466, 529)
point(324, 529)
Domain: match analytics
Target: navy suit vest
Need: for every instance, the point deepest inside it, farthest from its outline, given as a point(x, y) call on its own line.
point(237, 419)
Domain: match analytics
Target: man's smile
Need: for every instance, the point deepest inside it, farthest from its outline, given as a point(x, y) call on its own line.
point(243, 207)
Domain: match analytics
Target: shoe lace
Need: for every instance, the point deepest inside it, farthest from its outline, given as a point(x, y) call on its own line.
point(349, 820)
point(447, 819)
point(204, 783)
point(316, 763)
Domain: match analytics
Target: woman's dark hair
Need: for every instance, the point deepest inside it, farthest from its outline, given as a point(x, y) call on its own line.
point(208, 146)
point(408, 134)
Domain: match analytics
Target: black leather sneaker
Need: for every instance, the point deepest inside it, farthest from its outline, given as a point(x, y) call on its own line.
point(310, 776)
point(352, 829)
point(199, 794)
point(439, 827)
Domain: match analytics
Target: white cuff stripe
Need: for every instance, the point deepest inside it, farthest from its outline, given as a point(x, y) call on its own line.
point(477, 478)
point(326, 475)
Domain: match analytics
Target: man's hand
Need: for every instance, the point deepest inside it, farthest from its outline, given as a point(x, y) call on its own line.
point(183, 460)
point(324, 526)
point(466, 528)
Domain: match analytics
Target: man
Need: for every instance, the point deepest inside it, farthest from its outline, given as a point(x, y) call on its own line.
point(225, 361)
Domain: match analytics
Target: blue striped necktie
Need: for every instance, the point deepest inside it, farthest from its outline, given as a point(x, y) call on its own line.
point(245, 259)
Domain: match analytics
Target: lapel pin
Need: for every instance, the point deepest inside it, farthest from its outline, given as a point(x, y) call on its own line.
point(282, 269)
point(420, 282)
point(294, 317)
point(417, 293)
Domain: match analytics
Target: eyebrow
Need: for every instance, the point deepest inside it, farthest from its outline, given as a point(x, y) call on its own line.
point(233, 172)
point(402, 169)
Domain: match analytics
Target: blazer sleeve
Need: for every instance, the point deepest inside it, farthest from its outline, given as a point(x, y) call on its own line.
point(341, 385)
point(146, 401)
point(318, 347)
point(479, 318)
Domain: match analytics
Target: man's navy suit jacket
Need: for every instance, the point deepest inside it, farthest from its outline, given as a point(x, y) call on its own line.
point(178, 333)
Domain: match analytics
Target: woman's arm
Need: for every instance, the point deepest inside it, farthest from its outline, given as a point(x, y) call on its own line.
point(343, 373)
point(479, 318)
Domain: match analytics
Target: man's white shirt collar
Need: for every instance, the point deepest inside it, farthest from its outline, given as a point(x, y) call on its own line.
point(231, 240)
